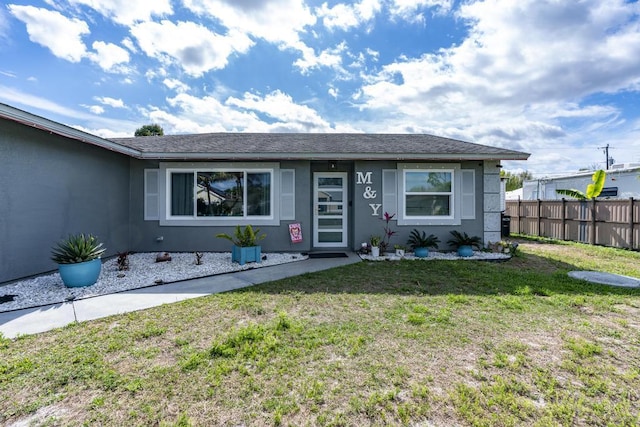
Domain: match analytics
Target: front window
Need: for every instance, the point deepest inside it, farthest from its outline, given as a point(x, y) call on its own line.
point(428, 193)
point(221, 193)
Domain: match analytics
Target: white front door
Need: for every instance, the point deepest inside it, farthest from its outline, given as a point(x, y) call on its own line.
point(330, 209)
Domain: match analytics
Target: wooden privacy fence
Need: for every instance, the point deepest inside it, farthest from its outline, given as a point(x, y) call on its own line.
point(598, 222)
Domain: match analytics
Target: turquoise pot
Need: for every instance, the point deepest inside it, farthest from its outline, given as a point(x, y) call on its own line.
point(465, 251)
point(80, 274)
point(421, 252)
point(242, 255)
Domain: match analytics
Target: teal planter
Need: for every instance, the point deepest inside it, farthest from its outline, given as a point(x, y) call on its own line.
point(242, 255)
point(465, 251)
point(80, 274)
point(421, 252)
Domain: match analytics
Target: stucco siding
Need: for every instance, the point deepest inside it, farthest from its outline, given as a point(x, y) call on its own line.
point(366, 224)
point(52, 186)
point(55, 181)
point(150, 236)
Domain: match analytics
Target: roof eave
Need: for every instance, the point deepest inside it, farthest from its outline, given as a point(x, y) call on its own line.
point(331, 156)
point(28, 119)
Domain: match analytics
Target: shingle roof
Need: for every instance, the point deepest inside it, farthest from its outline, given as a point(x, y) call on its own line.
point(276, 146)
point(351, 146)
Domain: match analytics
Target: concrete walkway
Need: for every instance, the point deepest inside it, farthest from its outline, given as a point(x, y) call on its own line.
point(46, 318)
point(606, 278)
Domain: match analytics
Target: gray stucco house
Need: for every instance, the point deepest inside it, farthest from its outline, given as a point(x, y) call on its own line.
point(175, 193)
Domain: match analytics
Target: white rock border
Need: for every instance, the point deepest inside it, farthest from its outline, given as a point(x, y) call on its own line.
point(143, 271)
point(435, 255)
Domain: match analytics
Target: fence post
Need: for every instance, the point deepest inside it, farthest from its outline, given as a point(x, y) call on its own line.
point(563, 219)
point(592, 235)
point(631, 223)
point(539, 219)
point(519, 216)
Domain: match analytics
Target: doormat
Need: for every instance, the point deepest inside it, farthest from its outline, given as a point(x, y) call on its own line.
point(328, 255)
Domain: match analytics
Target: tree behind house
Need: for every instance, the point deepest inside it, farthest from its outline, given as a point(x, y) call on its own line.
point(150, 130)
point(514, 181)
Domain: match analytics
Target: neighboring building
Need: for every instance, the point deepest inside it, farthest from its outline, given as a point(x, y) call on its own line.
point(623, 182)
point(516, 194)
point(176, 192)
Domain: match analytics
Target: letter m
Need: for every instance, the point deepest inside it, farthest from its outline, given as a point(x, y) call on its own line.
point(363, 178)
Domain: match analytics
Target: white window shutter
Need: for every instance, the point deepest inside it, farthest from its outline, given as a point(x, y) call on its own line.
point(287, 194)
point(468, 197)
point(151, 199)
point(389, 192)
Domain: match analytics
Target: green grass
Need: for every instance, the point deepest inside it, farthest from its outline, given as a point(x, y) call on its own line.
point(387, 343)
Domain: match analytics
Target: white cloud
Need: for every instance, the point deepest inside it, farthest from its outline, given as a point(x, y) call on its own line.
point(110, 133)
point(408, 9)
point(129, 44)
point(181, 123)
point(202, 115)
point(95, 109)
point(12, 96)
point(61, 35)
point(111, 102)
point(282, 108)
point(4, 25)
point(276, 21)
point(518, 78)
point(192, 46)
point(538, 51)
point(279, 22)
point(127, 12)
point(175, 84)
point(345, 16)
point(108, 55)
point(331, 58)
point(274, 112)
point(157, 72)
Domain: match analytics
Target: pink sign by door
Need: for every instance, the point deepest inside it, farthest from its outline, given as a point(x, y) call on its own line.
point(295, 231)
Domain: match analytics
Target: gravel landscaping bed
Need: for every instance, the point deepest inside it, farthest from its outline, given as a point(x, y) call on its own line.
point(143, 271)
point(433, 255)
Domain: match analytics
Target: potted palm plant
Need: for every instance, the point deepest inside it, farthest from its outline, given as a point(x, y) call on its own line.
point(78, 259)
point(420, 243)
point(245, 244)
point(463, 243)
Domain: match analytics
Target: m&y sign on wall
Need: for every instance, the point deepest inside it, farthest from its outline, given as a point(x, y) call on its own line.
point(364, 179)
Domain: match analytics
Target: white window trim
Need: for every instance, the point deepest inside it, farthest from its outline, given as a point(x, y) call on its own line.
point(456, 193)
point(166, 169)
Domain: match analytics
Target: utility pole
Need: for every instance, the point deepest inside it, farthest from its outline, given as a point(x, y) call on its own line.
point(606, 153)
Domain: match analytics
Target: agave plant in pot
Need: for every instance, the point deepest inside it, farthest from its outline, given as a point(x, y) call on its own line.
point(420, 243)
point(78, 259)
point(245, 244)
point(463, 243)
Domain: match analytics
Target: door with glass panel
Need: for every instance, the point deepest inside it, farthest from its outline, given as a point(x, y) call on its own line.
point(330, 209)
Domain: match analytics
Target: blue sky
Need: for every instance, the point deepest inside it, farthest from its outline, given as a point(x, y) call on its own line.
point(559, 79)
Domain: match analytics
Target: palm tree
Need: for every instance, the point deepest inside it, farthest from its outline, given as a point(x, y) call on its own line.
point(593, 190)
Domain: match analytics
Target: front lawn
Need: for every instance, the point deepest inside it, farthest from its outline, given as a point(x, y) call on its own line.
point(375, 343)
